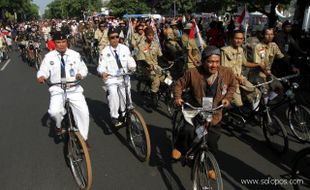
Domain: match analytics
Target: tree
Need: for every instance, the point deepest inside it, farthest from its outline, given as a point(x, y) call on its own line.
point(71, 8)
point(121, 7)
point(25, 9)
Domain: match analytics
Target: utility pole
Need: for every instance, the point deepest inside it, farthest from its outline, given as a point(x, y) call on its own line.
point(174, 9)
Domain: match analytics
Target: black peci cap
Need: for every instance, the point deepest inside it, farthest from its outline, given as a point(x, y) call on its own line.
point(113, 30)
point(59, 36)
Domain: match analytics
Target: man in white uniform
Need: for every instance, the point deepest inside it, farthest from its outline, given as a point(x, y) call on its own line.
point(114, 59)
point(64, 63)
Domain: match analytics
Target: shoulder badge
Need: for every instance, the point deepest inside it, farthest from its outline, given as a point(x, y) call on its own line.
point(51, 62)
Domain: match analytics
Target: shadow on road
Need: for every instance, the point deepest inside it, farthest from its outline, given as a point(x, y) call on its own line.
point(99, 111)
point(160, 156)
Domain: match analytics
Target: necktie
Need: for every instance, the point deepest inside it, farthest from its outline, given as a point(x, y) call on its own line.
point(119, 64)
point(63, 66)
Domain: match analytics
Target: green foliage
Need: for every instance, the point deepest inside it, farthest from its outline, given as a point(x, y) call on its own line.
point(121, 7)
point(71, 8)
point(25, 9)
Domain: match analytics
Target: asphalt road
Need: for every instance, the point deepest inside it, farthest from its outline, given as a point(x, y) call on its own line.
point(31, 158)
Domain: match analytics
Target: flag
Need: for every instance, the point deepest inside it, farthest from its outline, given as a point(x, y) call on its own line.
point(243, 19)
point(195, 34)
point(152, 24)
point(129, 33)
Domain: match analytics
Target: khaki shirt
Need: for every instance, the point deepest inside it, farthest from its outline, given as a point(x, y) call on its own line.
point(233, 58)
point(149, 52)
point(102, 37)
point(137, 39)
point(265, 53)
point(190, 44)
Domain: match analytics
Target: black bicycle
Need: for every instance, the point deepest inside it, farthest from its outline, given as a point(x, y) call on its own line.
point(77, 153)
point(165, 92)
point(206, 173)
point(137, 130)
point(273, 128)
point(298, 115)
point(300, 170)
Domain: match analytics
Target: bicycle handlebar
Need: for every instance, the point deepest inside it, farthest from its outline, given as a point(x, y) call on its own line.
point(121, 74)
point(64, 83)
point(203, 109)
point(286, 77)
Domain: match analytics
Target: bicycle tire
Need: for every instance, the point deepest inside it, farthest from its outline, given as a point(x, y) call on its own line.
point(300, 171)
point(299, 122)
point(205, 163)
point(177, 124)
point(274, 133)
point(77, 152)
point(136, 127)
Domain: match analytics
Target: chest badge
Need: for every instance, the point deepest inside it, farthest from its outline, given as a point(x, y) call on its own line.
point(51, 62)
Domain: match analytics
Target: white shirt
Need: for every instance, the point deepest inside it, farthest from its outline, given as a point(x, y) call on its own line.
point(51, 66)
point(108, 64)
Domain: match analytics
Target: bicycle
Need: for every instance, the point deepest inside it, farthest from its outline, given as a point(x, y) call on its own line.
point(136, 127)
point(94, 53)
point(77, 152)
point(300, 170)
point(298, 116)
point(205, 166)
point(273, 128)
point(166, 87)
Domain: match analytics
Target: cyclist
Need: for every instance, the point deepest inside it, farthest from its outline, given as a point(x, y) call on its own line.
point(265, 53)
point(210, 83)
point(101, 36)
point(65, 63)
point(149, 51)
point(233, 57)
point(115, 59)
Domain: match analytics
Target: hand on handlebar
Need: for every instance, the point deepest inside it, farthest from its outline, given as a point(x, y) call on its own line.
point(225, 102)
point(78, 76)
point(179, 101)
point(41, 80)
point(105, 76)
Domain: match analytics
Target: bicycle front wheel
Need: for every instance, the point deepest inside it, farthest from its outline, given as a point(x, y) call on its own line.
point(206, 172)
point(299, 122)
point(275, 133)
point(139, 136)
point(300, 170)
point(79, 160)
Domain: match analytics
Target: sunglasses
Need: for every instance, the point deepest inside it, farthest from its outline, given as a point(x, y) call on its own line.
point(140, 28)
point(113, 37)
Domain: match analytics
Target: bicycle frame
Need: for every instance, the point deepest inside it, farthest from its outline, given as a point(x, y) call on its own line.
point(199, 144)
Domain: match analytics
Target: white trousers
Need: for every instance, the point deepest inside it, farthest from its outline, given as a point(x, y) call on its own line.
point(78, 105)
point(117, 99)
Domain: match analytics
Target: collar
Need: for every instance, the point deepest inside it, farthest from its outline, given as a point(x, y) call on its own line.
point(66, 53)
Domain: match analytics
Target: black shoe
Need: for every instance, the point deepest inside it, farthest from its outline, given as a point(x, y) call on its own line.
point(116, 122)
point(59, 131)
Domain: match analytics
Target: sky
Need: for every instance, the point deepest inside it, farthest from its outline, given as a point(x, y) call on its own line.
point(42, 4)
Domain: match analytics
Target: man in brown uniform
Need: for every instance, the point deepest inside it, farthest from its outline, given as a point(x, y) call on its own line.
point(149, 51)
point(233, 57)
point(265, 52)
point(209, 80)
point(190, 48)
point(171, 41)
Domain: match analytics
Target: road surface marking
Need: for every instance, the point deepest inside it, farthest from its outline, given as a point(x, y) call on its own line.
point(4, 66)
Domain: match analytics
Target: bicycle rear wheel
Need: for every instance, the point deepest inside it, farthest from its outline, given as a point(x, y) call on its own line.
point(79, 160)
point(300, 170)
point(139, 135)
point(206, 172)
point(299, 122)
point(275, 134)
